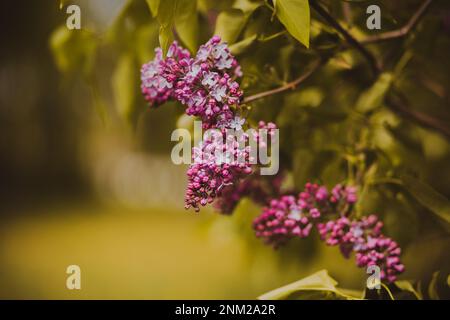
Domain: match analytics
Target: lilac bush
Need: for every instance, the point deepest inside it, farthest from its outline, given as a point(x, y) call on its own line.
point(207, 86)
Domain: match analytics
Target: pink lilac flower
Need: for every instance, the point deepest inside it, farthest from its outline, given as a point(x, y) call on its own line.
point(347, 193)
point(216, 164)
point(205, 84)
point(209, 89)
point(364, 237)
point(384, 253)
point(260, 189)
point(160, 75)
point(350, 235)
point(284, 219)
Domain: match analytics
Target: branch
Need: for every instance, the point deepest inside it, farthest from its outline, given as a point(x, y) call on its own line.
point(375, 66)
point(400, 105)
point(403, 31)
point(287, 86)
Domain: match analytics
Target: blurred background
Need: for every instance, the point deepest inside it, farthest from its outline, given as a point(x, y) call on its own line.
point(80, 186)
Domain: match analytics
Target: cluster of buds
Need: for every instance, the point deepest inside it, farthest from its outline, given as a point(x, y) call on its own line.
point(284, 219)
point(205, 84)
point(221, 170)
point(294, 216)
point(260, 189)
point(217, 164)
point(160, 76)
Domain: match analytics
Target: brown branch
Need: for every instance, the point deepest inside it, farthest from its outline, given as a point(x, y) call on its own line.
point(400, 105)
point(403, 31)
point(290, 85)
point(375, 66)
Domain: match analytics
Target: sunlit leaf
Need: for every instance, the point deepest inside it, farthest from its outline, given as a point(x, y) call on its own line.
point(125, 84)
point(241, 46)
point(186, 23)
point(166, 12)
point(407, 286)
point(431, 199)
point(229, 24)
point(433, 286)
point(294, 15)
point(73, 50)
point(154, 6)
point(317, 285)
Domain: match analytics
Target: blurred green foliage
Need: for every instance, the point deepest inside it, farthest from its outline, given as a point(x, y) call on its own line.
point(342, 124)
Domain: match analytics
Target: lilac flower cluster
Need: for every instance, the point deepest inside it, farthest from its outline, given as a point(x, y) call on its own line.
point(290, 216)
point(209, 88)
point(350, 235)
point(385, 253)
point(160, 76)
point(205, 84)
point(294, 216)
point(348, 193)
point(364, 237)
point(283, 220)
point(222, 165)
point(216, 165)
point(260, 189)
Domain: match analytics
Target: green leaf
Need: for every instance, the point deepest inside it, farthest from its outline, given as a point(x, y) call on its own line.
point(73, 49)
point(165, 38)
point(317, 285)
point(166, 12)
point(248, 6)
point(186, 23)
point(429, 198)
point(433, 286)
point(154, 6)
point(229, 24)
point(241, 46)
point(125, 80)
point(407, 286)
point(374, 96)
point(294, 15)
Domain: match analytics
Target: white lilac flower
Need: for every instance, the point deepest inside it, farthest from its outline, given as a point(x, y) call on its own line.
point(210, 79)
point(237, 123)
point(220, 51)
point(295, 215)
point(219, 92)
point(202, 54)
point(195, 70)
point(224, 63)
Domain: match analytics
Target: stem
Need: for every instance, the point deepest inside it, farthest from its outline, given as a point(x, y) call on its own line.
point(400, 105)
point(374, 64)
point(387, 290)
point(287, 86)
point(403, 31)
point(273, 36)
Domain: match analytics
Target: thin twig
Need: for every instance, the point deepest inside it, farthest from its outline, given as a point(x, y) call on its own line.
point(287, 86)
point(375, 66)
point(403, 31)
point(401, 106)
